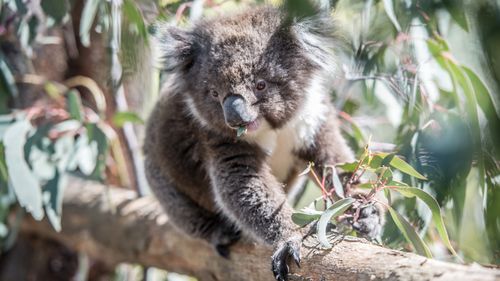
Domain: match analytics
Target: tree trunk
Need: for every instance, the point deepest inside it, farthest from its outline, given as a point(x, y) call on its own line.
point(114, 225)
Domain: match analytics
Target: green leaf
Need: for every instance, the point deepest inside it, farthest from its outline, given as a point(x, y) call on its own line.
point(337, 184)
point(87, 19)
point(434, 207)
point(471, 103)
point(302, 219)
point(43, 168)
point(53, 208)
point(22, 179)
point(333, 211)
point(384, 173)
point(347, 167)
point(74, 104)
point(6, 77)
point(299, 8)
point(133, 14)
point(376, 161)
point(404, 167)
point(120, 118)
point(56, 9)
point(389, 10)
point(485, 101)
point(96, 134)
point(387, 160)
point(241, 131)
point(409, 233)
point(86, 155)
point(457, 12)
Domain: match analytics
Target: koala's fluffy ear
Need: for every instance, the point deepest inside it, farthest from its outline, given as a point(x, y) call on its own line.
point(175, 47)
point(318, 36)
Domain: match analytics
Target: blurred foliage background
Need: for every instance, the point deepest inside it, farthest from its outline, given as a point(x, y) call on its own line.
point(420, 77)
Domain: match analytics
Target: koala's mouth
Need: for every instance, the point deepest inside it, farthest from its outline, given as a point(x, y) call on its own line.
point(252, 126)
point(249, 127)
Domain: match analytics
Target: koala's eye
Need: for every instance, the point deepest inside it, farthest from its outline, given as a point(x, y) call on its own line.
point(260, 85)
point(214, 94)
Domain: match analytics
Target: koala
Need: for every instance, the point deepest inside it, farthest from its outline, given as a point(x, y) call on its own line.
point(261, 73)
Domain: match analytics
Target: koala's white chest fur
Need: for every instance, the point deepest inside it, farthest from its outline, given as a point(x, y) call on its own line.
point(299, 133)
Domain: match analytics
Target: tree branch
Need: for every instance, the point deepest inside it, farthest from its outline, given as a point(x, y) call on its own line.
point(113, 225)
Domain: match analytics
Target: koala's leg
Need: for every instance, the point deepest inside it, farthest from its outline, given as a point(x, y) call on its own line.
point(246, 190)
point(188, 216)
point(331, 148)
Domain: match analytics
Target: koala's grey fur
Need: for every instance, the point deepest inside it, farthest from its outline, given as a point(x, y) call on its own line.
point(214, 185)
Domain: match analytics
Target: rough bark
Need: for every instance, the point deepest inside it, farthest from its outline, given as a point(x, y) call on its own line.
point(114, 225)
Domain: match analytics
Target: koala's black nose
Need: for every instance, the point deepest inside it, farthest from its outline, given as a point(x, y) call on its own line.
point(236, 111)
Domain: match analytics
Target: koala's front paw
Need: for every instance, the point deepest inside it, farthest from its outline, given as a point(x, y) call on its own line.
point(369, 223)
point(223, 237)
point(284, 252)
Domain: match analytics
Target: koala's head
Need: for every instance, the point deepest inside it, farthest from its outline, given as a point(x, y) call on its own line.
point(248, 69)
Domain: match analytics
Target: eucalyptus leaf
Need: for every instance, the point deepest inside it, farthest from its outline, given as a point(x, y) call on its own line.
point(457, 11)
point(6, 78)
point(133, 14)
point(22, 179)
point(335, 210)
point(55, 188)
point(409, 233)
point(337, 184)
point(485, 101)
point(302, 219)
point(87, 19)
point(97, 135)
point(43, 168)
point(389, 10)
point(347, 167)
point(74, 104)
point(56, 9)
point(241, 131)
point(400, 164)
point(120, 118)
point(434, 207)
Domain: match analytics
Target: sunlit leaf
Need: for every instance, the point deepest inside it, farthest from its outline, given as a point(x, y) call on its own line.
point(74, 104)
point(86, 156)
point(43, 168)
point(337, 209)
point(133, 14)
point(302, 219)
point(120, 118)
point(389, 10)
point(347, 167)
point(22, 179)
point(485, 101)
point(404, 167)
point(409, 233)
point(387, 160)
point(434, 207)
point(87, 19)
point(337, 185)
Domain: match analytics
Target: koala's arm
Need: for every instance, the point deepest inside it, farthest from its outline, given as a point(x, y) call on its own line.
point(245, 189)
point(187, 214)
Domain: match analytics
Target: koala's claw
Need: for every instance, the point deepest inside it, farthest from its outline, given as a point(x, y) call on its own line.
point(280, 258)
point(225, 238)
